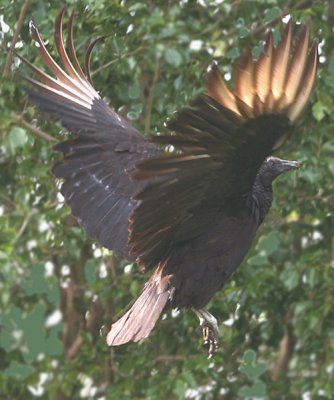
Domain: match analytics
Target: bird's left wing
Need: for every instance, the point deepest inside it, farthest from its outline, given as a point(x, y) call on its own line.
point(98, 162)
point(223, 138)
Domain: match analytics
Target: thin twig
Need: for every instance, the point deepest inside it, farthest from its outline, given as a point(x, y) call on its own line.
point(7, 199)
point(258, 30)
point(124, 55)
point(75, 346)
point(150, 97)
point(300, 6)
point(25, 124)
point(111, 263)
point(10, 55)
point(171, 358)
point(24, 224)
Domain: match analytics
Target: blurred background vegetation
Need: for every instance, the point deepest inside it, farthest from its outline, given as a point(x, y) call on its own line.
point(58, 289)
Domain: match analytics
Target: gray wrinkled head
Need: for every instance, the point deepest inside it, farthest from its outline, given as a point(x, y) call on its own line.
point(272, 167)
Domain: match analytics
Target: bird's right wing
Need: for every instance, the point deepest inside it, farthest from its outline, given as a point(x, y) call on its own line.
point(223, 137)
point(100, 159)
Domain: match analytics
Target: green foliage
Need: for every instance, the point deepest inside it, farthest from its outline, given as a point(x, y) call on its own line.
point(250, 367)
point(253, 371)
point(57, 290)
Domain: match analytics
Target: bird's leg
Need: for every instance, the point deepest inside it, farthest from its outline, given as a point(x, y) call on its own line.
point(210, 330)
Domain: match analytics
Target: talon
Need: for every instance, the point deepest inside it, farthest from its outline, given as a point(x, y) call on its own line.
point(210, 332)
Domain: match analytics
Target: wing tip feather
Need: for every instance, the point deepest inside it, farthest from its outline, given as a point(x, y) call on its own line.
point(272, 83)
point(70, 80)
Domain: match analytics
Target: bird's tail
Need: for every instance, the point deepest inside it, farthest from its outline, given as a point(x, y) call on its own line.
point(138, 322)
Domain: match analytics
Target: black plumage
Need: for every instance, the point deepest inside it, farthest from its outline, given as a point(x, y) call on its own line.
point(192, 215)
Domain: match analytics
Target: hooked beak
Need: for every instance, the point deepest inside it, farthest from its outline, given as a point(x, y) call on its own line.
point(287, 165)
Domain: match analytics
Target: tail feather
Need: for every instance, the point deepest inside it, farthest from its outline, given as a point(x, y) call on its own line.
point(138, 322)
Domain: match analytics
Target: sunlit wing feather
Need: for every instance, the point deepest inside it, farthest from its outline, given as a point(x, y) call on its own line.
point(98, 163)
point(275, 82)
point(225, 136)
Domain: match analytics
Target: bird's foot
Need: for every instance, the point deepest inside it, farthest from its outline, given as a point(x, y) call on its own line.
point(210, 330)
point(210, 339)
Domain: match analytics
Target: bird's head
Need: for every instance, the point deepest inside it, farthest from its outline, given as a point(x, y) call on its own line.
point(272, 167)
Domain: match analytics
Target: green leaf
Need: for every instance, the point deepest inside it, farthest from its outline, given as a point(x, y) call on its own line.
point(134, 91)
point(18, 371)
point(36, 283)
point(319, 110)
point(330, 77)
point(232, 54)
point(256, 51)
point(311, 277)
point(253, 372)
point(243, 32)
point(189, 378)
point(53, 345)
point(178, 82)
point(167, 31)
point(331, 166)
point(16, 139)
point(290, 278)
point(9, 323)
point(257, 391)
point(180, 388)
point(117, 45)
point(250, 368)
point(53, 293)
point(323, 106)
point(137, 6)
point(302, 307)
point(7, 340)
point(269, 243)
point(276, 37)
point(90, 271)
point(173, 57)
point(258, 260)
point(249, 357)
point(272, 14)
point(34, 332)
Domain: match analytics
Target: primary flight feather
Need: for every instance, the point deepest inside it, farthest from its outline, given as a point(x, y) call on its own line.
point(191, 216)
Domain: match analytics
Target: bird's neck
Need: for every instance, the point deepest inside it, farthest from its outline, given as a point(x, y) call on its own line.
point(262, 198)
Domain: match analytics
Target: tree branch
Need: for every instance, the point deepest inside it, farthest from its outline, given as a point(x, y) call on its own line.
point(285, 352)
point(171, 358)
point(25, 222)
point(75, 346)
point(150, 97)
point(25, 124)
point(299, 6)
point(10, 55)
point(114, 60)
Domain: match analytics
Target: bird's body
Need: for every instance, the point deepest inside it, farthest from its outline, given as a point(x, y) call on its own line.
point(204, 259)
point(193, 215)
point(203, 265)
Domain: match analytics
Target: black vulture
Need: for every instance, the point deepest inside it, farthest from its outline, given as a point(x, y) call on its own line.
point(192, 215)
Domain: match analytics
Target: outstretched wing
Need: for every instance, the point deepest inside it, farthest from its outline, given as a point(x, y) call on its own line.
point(224, 137)
point(99, 161)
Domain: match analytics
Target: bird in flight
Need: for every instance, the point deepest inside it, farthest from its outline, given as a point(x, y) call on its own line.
point(190, 216)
